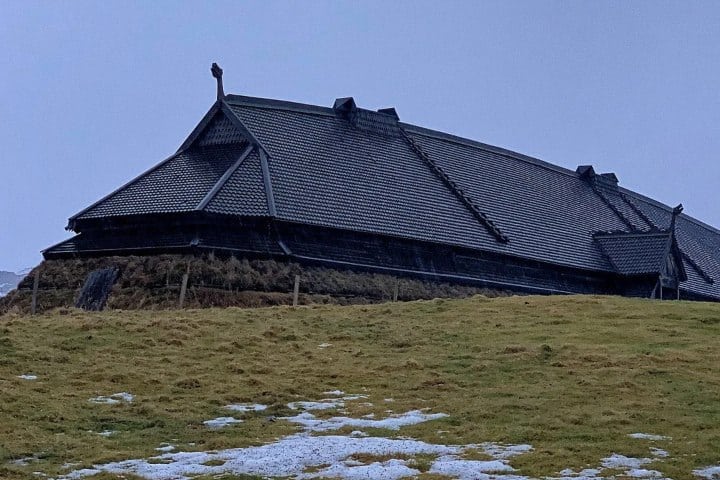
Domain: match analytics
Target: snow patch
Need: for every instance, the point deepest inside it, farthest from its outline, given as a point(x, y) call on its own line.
point(621, 461)
point(394, 422)
point(321, 405)
point(165, 447)
point(659, 452)
point(107, 433)
point(113, 399)
point(451, 465)
point(337, 393)
point(388, 470)
point(246, 407)
point(648, 436)
point(710, 473)
point(504, 451)
point(325, 345)
point(221, 422)
point(27, 376)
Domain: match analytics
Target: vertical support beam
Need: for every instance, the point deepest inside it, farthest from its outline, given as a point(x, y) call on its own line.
point(396, 290)
point(678, 291)
point(296, 290)
point(183, 287)
point(36, 284)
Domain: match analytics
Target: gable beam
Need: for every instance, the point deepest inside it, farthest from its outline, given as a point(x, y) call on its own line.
point(222, 180)
point(481, 216)
point(268, 183)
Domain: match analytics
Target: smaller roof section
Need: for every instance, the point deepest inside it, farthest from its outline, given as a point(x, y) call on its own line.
point(642, 253)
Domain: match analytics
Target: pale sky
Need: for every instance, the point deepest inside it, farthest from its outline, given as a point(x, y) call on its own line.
point(94, 92)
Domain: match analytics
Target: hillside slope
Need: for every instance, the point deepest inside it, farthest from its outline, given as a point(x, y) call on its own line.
point(556, 383)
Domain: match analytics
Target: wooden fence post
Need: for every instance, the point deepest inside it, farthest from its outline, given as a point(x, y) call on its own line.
point(296, 290)
point(183, 287)
point(396, 290)
point(36, 284)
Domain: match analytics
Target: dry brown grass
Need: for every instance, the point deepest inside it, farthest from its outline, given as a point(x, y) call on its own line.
point(153, 282)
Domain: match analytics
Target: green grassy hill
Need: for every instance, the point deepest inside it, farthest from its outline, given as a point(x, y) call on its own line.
point(571, 376)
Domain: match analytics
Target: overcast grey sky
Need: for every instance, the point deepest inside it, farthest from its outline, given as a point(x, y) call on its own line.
point(93, 93)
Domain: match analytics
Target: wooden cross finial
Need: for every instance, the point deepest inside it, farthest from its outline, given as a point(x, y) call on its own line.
point(217, 72)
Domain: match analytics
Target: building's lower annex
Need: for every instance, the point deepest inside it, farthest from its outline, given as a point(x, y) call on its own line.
point(353, 188)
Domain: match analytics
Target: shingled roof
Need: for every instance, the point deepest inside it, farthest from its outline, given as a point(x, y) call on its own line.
point(361, 170)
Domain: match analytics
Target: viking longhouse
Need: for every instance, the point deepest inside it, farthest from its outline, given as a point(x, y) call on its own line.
point(347, 187)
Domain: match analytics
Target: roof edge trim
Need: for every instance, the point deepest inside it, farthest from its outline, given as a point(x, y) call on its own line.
point(200, 127)
point(72, 220)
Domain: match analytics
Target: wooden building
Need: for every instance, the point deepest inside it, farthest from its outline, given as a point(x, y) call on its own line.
point(347, 187)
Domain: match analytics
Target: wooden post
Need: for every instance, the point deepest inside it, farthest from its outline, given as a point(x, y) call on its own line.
point(36, 284)
point(396, 290)
point(183, 287)
point(296, 290)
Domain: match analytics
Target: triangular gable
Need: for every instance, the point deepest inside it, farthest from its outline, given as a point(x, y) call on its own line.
point(216, 128)
point(642, 253)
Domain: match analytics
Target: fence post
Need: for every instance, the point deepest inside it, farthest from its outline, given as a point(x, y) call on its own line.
point(36, 284)
point(396, 290)
point(183, 287)
point(296, 290)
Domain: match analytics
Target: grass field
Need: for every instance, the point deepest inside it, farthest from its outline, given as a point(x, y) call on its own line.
point(571, 376)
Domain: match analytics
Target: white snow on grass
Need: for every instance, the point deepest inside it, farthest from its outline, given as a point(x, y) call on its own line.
point(246, 407)
point(288, 457)
point(453, 466)
point(621, 461)
point(394, 422)
point(321, 405)
point(107, 433)
point(325, 345)
point(648, 436)
point(710, 473)
point(337, 393)
point(390, 469)
point(221, 422)
point(504, 451)
point(165, 447)
point(113, 399)
point(27, 376)
point(327, 403)
point(659, 452)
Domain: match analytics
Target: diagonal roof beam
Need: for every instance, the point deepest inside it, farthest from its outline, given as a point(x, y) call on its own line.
point(222, 180)
point(264, 155)
point(467, 201)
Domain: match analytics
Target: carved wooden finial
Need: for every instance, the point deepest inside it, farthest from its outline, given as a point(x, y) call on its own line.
point(676, 211)
point(217, 73)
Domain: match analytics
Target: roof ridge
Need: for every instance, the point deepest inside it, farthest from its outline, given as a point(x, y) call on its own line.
point(261, 102)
